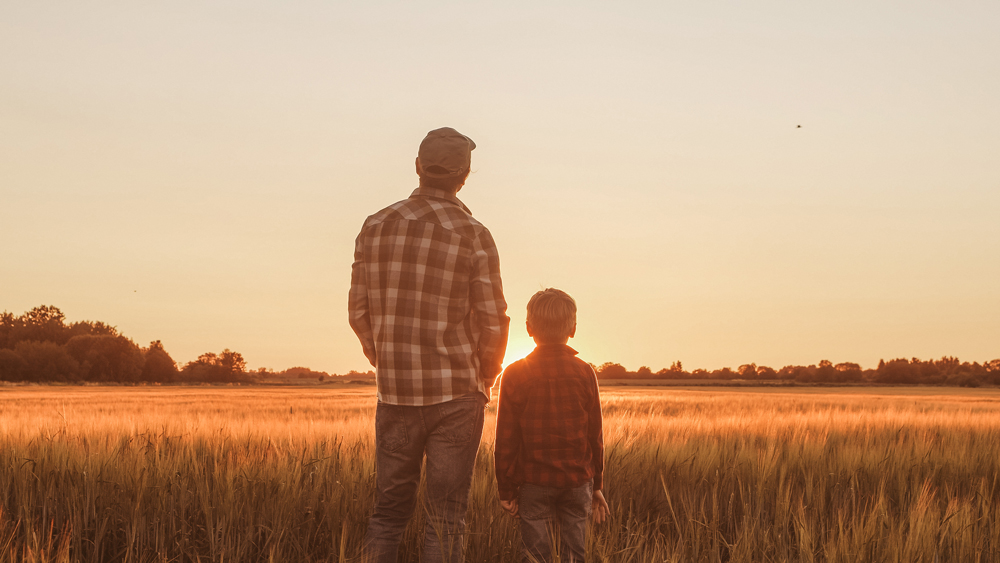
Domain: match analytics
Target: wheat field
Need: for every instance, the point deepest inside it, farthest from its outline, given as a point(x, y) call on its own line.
point(286, 474)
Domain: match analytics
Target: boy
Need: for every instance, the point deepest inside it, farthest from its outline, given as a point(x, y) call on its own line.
point(549, 446)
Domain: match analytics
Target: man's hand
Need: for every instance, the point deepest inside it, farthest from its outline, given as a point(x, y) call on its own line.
point(510, 507)
point(600, 509)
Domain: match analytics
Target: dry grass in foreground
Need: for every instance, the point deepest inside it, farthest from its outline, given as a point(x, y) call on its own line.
point(189, 474)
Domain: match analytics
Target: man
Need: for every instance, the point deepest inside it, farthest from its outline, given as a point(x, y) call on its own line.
point(427, 304)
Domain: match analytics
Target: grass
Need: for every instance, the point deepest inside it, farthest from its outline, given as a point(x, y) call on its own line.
point(249, 474)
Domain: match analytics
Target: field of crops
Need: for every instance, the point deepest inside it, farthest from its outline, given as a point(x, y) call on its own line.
point(286, 474)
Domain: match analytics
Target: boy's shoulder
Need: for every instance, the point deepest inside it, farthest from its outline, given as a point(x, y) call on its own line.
point(549, 361)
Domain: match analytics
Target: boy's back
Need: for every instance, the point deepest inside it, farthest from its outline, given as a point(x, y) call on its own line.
point(549, 422)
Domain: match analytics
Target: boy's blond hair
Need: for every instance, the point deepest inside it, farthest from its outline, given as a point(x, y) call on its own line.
point(552, 315)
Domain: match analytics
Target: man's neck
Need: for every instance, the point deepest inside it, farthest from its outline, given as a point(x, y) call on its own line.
point(449, 193)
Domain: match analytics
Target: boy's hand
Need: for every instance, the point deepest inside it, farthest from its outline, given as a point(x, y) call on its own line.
point(601, 510)
point(510, 507)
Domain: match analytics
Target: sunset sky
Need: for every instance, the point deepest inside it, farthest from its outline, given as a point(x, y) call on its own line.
point(196, 172)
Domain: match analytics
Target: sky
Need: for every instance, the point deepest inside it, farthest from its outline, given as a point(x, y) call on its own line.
point(716, 183)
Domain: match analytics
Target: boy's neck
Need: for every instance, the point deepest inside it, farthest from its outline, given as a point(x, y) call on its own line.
point(556, 343)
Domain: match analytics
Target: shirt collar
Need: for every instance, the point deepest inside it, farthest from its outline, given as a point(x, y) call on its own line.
point(435, 193)
point(553, 349)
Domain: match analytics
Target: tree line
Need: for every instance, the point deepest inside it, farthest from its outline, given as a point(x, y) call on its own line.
point(39, 346)
point(946, 371)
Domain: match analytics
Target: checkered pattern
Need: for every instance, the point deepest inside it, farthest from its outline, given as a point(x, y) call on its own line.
point(549, 429)
point(426, 300)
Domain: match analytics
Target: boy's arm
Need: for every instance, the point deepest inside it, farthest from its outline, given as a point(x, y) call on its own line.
point(507, 448)
point(595, 434)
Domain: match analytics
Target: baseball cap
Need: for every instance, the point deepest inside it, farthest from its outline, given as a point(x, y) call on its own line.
point(445, 153)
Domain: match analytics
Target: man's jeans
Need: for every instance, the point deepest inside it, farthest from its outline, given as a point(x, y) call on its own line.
point(449, 434)
point(554, 521)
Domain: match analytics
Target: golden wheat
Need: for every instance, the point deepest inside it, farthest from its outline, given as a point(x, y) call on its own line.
point(258, 474)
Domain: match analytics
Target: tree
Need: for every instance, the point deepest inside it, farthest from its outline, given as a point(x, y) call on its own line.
point(95, 328)
point(12, 365)
point(826, 372)
point(804, 374)
point(748, 371)
point(227, 367)
point(44, 323)
point(106, 358)
point(609, 370)
point(46, 361)
point(948, 365)
point(848, 371)
point(157, 364)
point(7, 322)
point(232, 362)
point(724, 373)
point(765, 372)
point(993, 372)
point(895, 371)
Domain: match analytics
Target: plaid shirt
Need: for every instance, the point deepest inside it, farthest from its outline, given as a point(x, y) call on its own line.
point(426, 300)
point(549, 429)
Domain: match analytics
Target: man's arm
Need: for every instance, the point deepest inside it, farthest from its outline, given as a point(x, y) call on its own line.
point(507, 447)
point(488, 307)
point(357, 302)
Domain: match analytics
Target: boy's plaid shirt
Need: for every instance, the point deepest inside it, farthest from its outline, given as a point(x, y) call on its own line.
point(549, 428)
point(426, 300)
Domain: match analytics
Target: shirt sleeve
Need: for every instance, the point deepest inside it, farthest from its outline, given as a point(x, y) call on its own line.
point(357, 302)
point(507, 447)
point(489, 308)
point(595, 434)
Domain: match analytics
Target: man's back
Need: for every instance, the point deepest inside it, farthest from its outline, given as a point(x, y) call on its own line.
point(426, 300)
point(427, 305)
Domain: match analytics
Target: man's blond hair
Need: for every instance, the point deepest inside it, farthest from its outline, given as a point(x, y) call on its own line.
point(552, 315)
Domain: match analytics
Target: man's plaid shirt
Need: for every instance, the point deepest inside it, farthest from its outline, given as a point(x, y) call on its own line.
point(549, 428)
point(426, 300)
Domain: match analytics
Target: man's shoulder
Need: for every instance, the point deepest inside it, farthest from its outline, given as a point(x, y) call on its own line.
point(398, 210)
point(447, 214)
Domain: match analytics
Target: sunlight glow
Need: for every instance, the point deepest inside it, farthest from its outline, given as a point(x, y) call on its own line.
point(517, 348)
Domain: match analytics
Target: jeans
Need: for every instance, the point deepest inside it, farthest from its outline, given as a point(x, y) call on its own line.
point(554, 522)
point(448, 434)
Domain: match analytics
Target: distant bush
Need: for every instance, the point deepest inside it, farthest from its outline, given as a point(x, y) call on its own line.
point(302, 373)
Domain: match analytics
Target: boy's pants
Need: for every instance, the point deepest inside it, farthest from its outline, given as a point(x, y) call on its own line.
point(554, 521)
point(449, 434)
